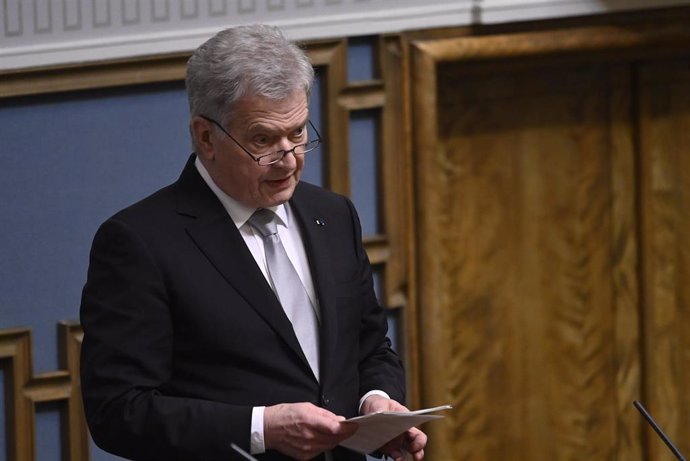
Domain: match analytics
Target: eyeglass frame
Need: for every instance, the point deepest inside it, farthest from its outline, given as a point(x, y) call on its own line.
point(257, 158)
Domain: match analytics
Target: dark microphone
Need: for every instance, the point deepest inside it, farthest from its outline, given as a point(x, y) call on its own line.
point(658, 430)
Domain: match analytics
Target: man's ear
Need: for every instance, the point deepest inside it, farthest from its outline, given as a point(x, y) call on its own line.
point(204, 141)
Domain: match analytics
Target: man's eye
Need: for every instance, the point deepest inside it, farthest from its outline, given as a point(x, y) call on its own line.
point(261, 140)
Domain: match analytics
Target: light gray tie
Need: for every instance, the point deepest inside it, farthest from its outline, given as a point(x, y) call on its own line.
point(289, 288)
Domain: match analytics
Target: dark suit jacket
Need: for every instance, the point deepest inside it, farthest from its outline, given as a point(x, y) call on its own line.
point(183, 335)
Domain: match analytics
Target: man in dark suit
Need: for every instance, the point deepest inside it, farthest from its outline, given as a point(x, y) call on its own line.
point(189, 343)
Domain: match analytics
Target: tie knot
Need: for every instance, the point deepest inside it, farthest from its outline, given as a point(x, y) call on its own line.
point(263, 220)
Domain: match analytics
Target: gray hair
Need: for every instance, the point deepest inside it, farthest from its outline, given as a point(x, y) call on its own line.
point(247, 60)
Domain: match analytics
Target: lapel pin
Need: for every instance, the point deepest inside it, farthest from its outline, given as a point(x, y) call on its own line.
point(320, 222)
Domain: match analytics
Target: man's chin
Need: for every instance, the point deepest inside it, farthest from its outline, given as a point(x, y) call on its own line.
point(280, 197)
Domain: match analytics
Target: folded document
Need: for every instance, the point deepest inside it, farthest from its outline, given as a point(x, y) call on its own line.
point(376, 429)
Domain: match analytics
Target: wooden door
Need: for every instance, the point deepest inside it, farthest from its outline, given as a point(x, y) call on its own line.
point(549, 277)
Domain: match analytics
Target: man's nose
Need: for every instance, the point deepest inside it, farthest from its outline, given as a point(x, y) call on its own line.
point(285, 145)
point(288, 159)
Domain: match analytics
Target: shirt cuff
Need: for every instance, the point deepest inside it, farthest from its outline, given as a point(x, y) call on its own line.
point(256, 439)
point(368, 394)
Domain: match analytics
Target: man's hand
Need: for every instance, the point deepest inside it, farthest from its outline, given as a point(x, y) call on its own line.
point(303, 430)
point(411, 441)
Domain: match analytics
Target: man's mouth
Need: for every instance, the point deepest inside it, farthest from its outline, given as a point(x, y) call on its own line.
point(280, 182)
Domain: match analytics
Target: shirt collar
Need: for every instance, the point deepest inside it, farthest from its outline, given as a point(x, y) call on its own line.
point(238, 212)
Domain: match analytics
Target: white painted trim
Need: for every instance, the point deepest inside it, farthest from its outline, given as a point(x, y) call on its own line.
point(114, 43)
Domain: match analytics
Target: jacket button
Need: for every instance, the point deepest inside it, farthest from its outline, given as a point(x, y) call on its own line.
point(325, 399)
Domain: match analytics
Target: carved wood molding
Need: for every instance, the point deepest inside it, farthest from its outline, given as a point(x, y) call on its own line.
point(23, 390)
point(624, 40)
point(330, 58)
point(397, 192)
point(108, 74)
point(363, 95)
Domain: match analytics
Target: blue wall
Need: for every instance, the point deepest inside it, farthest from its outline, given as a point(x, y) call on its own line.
point(69, 161)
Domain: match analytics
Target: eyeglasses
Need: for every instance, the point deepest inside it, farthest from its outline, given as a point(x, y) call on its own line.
point(277, 156)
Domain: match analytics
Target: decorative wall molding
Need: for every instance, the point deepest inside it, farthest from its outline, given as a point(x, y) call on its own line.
point(24, 390)
point(40, 33)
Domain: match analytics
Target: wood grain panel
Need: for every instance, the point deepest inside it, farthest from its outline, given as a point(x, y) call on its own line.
point(527, 273)
point(665, 167)
point(625, 263)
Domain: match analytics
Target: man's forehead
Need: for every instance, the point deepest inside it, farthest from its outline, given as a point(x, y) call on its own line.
point(259, 102)
point(259, 112)
point(263, 125)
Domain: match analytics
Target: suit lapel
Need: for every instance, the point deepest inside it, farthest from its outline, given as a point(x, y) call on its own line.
point(217, 237)
point(314, 231)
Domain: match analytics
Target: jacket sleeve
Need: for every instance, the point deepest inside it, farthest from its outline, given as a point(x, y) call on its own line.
point(126, 360)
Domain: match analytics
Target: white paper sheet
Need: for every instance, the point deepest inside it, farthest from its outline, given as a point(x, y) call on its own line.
point(376, 429)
